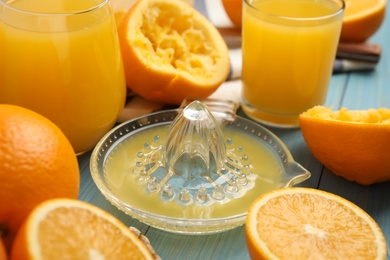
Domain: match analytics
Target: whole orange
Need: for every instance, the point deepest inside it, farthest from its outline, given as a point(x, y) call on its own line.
point(233, 10)
point(37, 163)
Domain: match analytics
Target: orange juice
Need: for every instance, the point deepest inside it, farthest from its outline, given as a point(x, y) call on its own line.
point(61, 58)
point(122, 160)
point(289, 47)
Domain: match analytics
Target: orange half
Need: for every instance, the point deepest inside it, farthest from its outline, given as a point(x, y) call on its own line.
point(362, 18)
point(171, 51)
point(72, 229)
point(353, 144)
point(304, 223)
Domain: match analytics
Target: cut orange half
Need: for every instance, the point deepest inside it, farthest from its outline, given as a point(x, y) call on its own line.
point(304, 223)
point(362, 18)
point(72, 229)
point(352, 144)
point(171, 51)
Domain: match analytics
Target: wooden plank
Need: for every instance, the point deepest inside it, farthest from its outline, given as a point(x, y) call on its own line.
point(232, 245)
point(176, 246)
point(227, 245)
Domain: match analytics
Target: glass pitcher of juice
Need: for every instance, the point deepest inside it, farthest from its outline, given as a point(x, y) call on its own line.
point(61, 58)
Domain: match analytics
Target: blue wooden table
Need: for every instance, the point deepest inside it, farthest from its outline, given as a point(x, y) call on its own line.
point(356, 90)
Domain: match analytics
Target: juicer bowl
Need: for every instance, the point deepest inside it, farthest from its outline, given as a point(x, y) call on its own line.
point(113, 184)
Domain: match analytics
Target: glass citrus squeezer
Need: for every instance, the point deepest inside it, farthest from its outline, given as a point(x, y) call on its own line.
point(191, 170)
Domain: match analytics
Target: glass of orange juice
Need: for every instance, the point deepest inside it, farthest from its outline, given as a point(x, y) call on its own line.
point(289, 47)
point(61, 58)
